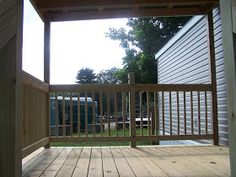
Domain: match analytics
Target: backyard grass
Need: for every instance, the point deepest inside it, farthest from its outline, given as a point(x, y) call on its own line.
point(113, 133)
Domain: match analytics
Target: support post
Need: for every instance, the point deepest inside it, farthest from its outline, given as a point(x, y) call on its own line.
point(47, 36)
point(11, 29)
point(228, 17)
point(132, 123)
point(212, 64)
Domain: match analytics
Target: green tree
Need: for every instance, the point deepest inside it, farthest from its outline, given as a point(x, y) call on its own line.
point(86, 76)
point(143, 39)
point(108, 76)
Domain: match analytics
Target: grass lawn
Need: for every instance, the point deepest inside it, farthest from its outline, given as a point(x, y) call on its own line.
point(113, 133)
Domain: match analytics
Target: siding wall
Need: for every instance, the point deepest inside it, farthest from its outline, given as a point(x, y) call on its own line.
point(184, 60)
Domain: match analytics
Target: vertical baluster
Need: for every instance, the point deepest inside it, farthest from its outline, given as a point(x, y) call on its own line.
point(141, 111)
point(185, 118)
point(163, 112)
point(199, 113)
point(63, 115)
point(56, 114)
point(86, 113)
point(93, 113)
point(123, 112)
point(206, 114)
point(78, 113)
point(108, 114)
point(192, 123)
point(156, 114)
point(170, 111)
point(71, 115)
point(116, 116)
point(148, 114)
point(178, 118)
point(101, 113)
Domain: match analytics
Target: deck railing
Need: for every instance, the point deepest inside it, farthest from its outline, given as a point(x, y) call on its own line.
point(131, 112)
point(34, 113)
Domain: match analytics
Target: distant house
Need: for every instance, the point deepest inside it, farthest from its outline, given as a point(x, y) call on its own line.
point(184, 60)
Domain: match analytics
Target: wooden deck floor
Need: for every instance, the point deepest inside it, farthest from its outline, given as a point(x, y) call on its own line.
point(204, 161)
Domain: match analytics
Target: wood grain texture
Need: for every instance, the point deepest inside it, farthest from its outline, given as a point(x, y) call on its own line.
point(11, 19)
point(8, 23)
point(150, 161)
point(34, 114)
point(6, 6)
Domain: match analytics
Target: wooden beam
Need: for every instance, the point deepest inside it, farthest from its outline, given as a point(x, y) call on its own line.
point(47, 36)
point(132, 110)
point(125, 13)
point(91, 88)
point(10, 87)
point(172, 87)
point(230, 75)
point(52, 4)
point(126, 87)
point(212, 68)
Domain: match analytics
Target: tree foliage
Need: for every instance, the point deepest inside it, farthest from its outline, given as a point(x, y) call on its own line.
point(108, 76)
point(143, 39)
point(86, 76)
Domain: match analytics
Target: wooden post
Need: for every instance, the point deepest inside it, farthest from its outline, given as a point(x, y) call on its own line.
point(47, 29)
point(132, 126)
point(212, 64)
point(11, 25)
point(230, 72)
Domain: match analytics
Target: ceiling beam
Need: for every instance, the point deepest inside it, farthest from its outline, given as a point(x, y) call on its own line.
point(58, 4)
point(124, 13)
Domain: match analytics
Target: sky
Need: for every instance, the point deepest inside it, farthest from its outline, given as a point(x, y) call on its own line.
point(74, 45)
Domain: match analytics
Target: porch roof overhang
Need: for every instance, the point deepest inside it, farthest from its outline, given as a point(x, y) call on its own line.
point(65, 10)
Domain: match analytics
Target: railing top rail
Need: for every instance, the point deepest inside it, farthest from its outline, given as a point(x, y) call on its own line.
point(172, 87)
point(28, 79)
point(90, 88)
point(126, 87)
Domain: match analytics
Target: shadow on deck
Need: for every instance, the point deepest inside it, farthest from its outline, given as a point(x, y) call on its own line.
point(201, 161)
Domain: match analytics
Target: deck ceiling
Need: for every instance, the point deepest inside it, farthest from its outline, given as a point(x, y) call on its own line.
point(64, 10)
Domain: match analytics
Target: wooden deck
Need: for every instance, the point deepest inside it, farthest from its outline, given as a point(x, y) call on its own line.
point(201, 161)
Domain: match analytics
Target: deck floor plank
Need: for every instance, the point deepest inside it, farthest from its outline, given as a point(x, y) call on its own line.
point(83, 163)
point(202, 162)
point(35, 160)
point(153, 169)
point(121, 163)
point(217, 160)
point(70, 163)
point(134, 163)
point(44, 163)
point(109, 166)
point(162, 162)
point(187, 167)
point(154, 161)
point(56, 165)
point(96, 166)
